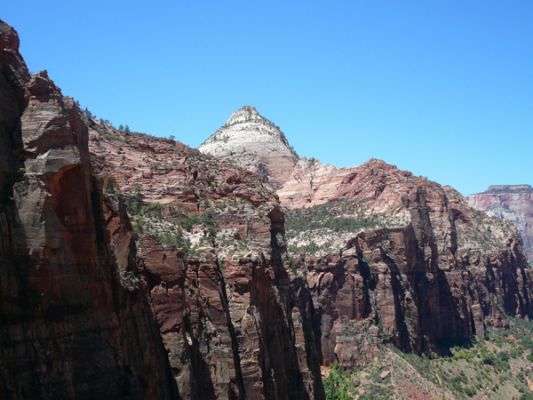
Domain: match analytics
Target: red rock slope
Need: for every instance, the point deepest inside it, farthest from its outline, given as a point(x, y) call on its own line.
point(211, 248)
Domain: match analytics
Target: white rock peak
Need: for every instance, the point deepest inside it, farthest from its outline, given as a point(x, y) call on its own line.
point(253, 142)
point(245, 114)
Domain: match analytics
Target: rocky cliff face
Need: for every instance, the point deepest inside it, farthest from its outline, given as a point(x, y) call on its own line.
point(388, 256)
point(415, 266)
point(251, 141)
point(135, 267)
point(513, 203)
point(70, 327)
point(211, 250)
point(176, 235)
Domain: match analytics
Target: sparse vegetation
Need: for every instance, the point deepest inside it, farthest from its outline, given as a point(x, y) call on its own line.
point(340, 216)
point(174, 239)
point(134, 201)
point(148, 218)
point(206, 219)
point(110, 186)
point(124, 128)
point(498, 368)
point(309, 248)
point(338, 385)
point(325, 228)
point(88, 113)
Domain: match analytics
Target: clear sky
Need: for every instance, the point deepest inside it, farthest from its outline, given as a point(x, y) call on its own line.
point(443, 88)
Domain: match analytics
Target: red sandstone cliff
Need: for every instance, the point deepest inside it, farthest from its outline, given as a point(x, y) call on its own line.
point(211, 250)
point(389, 256)
point(178, 236)
point(376, 255)
point(420, 268)
point(69, 326)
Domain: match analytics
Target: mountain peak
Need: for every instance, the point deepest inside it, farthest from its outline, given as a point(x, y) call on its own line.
point(254, 143)
point(246, 113)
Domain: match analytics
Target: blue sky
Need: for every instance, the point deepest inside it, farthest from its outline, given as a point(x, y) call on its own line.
point(441, 88)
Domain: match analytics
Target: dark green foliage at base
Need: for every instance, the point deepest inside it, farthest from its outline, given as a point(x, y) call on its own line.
point(338, 385)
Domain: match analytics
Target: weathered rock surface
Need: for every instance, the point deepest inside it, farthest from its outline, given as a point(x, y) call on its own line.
point(177, 281)
point(211, 249)
point(389, 256)
point(513, 203)
point(253, 142)
point(379, 288)
point(69, 328)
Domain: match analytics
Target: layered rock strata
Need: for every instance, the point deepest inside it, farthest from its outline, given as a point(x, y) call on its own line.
point(211, 250)
point(392, 257)
point(513, 203)
point(253, 142)
point(424, 268)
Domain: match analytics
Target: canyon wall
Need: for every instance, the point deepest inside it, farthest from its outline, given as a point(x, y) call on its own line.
point(212, 253)
point(388, 256)
point(136, 267)
point(162, 276)
point(69, 327)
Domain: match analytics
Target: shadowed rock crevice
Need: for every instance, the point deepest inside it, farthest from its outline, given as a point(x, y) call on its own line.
point(239, 393)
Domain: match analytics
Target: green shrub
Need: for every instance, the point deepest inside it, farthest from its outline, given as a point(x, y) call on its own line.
point(310, 248)
point(152, 209)
point(488, 358)
point(338, 386)
point(470, 391)
point(174, 239)
point(134, 202)
point(207, 220)
point(504, 356)
point(110, 186)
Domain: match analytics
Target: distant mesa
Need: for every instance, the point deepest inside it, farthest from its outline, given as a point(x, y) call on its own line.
point(510, 202)
point(509, 188)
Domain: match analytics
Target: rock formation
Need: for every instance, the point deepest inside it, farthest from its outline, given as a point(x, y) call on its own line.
point(513, 203)
point(70, 327)
point(389, 256)
point(211, 250)
point(420, 264)
point(139, 268)
point(178, 247)
point(253, 142)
